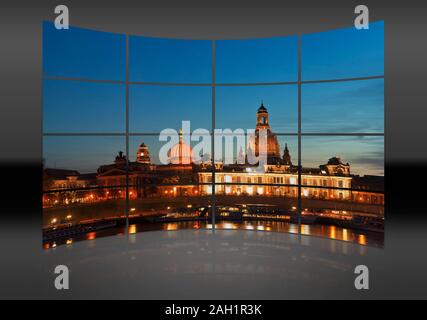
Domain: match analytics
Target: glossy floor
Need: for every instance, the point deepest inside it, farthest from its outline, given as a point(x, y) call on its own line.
point(200, 264)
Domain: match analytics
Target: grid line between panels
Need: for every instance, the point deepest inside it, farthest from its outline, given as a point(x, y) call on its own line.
point(127, 135)
point(213, 196)
point(179, 84)
point(356, 134)
point(299, 204)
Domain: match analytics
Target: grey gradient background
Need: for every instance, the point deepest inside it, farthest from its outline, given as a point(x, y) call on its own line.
point(401, 268)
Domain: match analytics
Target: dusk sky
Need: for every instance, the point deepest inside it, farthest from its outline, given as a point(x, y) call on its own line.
point(350, 107)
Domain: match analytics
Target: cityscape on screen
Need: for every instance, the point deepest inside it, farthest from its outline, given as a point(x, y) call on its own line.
point(107, 99)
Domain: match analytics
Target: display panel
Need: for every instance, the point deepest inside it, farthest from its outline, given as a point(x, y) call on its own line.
point(170, 60)
point(83, 53)
point(84, 187)
point(237, 107)
point(343, 186)
point(188, 118)
point(155, 108)
point(343, 107)
point(167, 195)
point(76, 107)
point(257, 60)
point(343, 53)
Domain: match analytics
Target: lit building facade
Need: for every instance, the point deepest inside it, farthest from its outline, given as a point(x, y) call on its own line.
point(276, 184)
point(182, 177)
point(278, 177)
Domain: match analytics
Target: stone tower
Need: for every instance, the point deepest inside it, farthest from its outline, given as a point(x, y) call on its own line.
point(143, 155)
point(272, 148)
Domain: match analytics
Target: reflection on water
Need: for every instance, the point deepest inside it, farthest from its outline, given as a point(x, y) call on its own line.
point(329, 231)
point(172, 226)
point(132, 229)
point(91, 235)
point(332, 232)
point(362, 239)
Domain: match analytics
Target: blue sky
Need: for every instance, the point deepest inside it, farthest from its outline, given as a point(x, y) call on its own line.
point(170, 60)
point(258, 60)
point(351, 107)
point(236, 107)
point(154, 108)
point(73, 106)
point(83, 53)
point(343, 53)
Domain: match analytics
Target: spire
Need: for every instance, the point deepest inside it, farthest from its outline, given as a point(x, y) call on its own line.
point(286, 156)
point(240, 157)
point(180, 145)
point(262, 108)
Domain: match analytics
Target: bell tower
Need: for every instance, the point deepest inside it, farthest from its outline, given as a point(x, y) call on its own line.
point(262, 118)
point(272, 148)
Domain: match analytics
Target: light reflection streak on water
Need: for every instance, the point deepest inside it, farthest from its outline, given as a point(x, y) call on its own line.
point(305, 229)
point(362, 239)
point(345, 234)
point(91, 235)
point(332, 232)
point(328, 231)
point(132, 229)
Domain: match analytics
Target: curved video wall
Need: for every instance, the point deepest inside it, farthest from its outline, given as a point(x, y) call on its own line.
point(279, 134)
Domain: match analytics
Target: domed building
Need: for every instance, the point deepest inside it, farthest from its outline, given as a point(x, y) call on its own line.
point(255, 145)
point(180, 153)
point(181, 177)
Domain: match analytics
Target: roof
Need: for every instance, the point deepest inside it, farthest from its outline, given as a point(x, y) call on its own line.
point(335, 161)
point(63, 174)
point(87, 176)
point(262, 108)
point(368, 182)
point(306, 170)
point(60, 173)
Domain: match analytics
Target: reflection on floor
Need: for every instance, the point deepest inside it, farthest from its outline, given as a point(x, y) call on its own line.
point(202, 264)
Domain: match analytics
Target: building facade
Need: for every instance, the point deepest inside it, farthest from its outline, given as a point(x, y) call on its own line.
point(278, 176)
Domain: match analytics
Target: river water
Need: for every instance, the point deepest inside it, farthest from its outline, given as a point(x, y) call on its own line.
point(319, 230)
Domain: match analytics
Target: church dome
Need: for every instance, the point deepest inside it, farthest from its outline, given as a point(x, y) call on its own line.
point(272, 148)
point(180, 153)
